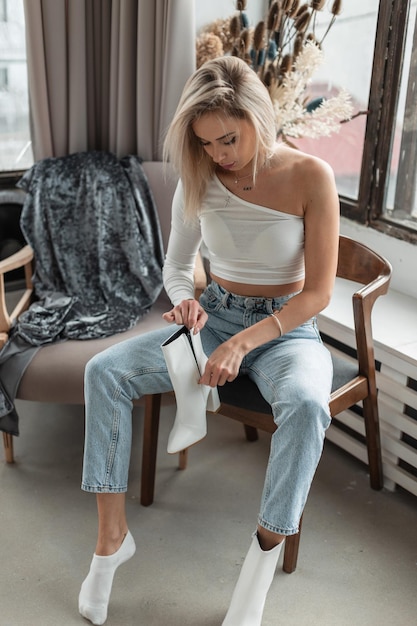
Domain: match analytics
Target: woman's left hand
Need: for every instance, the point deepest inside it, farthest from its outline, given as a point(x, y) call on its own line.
point(222, 365)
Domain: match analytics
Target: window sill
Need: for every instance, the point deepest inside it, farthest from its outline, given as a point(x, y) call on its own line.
point(394, 322)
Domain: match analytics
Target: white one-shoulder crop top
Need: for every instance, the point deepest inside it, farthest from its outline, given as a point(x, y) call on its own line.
point(246, 243)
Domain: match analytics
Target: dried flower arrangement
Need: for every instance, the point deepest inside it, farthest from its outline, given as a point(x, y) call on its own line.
point(284, 51)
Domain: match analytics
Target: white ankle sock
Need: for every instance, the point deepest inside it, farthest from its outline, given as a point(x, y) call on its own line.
point(96, 588)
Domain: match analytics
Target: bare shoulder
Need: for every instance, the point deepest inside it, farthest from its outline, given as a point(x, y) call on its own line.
point(296, 182)
point(301, 165)
point(306, 183)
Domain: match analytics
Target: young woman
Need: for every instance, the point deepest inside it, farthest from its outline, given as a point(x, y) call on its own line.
point(269, 217)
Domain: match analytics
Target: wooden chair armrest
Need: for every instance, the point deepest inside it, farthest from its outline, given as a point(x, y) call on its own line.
point(24, 259)
point(3, 339)
point(19, 259)
point(374, 289)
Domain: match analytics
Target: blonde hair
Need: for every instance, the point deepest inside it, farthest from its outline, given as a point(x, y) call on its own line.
point(226, 84)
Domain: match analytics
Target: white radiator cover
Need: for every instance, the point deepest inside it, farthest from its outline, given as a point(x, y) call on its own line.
point(395, 338)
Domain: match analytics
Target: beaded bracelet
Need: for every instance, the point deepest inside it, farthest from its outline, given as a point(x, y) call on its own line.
point(278, 323)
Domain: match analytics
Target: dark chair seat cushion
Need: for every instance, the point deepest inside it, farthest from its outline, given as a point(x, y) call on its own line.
point(244, 394)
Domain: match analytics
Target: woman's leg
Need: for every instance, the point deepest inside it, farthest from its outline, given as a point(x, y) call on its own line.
point(113, 379)
point(295, 377)
point(294, 374)
point(267, 539)
point(112, 523)
point(95, 591)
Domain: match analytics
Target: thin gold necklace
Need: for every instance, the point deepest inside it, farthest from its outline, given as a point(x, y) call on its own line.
point(245, 187)
point(239, 178)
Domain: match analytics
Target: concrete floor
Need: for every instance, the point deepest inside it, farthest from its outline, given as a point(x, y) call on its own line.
point(358, 554)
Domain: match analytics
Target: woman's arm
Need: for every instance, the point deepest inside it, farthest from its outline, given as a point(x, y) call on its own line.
point(183, 245)
point(321, 214)
point(178, 271)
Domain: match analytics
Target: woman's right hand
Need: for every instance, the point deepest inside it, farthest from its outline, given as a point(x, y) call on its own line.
point(189, 313)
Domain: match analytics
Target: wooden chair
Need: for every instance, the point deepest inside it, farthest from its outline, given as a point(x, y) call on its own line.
point(352, 382)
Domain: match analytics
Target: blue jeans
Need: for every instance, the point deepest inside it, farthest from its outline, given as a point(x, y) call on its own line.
point(293, 373)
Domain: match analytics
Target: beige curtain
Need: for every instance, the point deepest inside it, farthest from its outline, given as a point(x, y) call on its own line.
point(106, 74)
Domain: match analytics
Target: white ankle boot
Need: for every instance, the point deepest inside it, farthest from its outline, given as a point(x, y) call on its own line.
point(185, 359)
point(249, 595)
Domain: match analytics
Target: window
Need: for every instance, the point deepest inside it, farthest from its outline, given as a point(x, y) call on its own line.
point(348, 54)
point(4, 78)
point(15, 145)
point(3, 10)
point(400, 206)
point(372, 52)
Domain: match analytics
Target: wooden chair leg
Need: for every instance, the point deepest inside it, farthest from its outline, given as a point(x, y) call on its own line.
point(291, 546)
point(150, 447)
point(251, 433)
point(373, 441)
point(8, 447)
